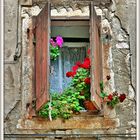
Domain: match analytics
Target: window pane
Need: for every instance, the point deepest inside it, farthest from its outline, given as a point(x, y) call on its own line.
point(68, 57)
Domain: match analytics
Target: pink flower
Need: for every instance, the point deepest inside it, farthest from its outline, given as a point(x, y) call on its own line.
point(52, 42)
point(59, 41)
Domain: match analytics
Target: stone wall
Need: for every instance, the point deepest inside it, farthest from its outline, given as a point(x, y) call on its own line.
point(120, 16)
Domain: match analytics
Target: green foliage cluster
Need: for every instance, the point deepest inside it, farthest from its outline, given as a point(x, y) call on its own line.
point(71, 100)
point(63, 105)
point(111, 99)
point(113, 102)
point(79, 84)
point(103, 94)
point(54, 52)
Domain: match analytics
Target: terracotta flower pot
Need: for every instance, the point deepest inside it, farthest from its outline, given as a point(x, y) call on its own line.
point(89, 105)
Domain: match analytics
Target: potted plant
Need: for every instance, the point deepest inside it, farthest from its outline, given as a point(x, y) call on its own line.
point(55, 47)
point(110, 100)
point(81, 81)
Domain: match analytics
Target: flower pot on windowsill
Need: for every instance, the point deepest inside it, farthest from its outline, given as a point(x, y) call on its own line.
point(109, 112)
point(89, 105)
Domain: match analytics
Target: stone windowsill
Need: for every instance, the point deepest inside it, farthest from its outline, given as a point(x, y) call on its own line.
point(76, 122)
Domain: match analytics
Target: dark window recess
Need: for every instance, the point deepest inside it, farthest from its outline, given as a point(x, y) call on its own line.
point(74, 39)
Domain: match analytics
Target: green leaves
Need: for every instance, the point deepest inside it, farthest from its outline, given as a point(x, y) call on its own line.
point(111, 99)
point(101, 86)
point(64, 105)
point(71, 100)
point(103, 94)
point(78, 80)
point(113, 102)
point(54, 52)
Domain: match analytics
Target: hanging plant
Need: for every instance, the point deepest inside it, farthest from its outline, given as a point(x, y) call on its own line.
point(55, 47)
point(113, 98)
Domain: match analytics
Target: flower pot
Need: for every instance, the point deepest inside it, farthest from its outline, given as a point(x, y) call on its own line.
point(109, 112)
point(89, 105)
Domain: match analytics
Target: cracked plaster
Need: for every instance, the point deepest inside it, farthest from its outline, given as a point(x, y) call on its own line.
point(120, 36)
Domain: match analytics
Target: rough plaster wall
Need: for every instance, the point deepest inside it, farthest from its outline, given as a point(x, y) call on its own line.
point(12, 71)
point(10, 10)
point(121, 49)
point(121, 25)
point(124, 81)
point(122, 22)
point(132, 30)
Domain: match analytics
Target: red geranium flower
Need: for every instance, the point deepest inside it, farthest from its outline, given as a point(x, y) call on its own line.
point(110, 97)
point(122, 97)
point(87, 80)
point(69, 74)
point(73, 73)
point(87, 60)
point(86, 64)
point(75, 68)
point(78, 63)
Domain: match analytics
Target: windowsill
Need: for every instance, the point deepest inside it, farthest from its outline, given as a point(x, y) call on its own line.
point(80, 121)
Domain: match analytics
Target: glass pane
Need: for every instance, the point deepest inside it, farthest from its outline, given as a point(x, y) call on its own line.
point(64, 63)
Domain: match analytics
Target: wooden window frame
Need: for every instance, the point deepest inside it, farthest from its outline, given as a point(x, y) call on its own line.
point(95, 96)
point(28, 119)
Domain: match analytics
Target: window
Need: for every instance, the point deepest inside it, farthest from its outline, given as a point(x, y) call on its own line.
point(76, 42)
point(42, 24)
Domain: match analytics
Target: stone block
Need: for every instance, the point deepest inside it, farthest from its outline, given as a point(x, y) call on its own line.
point(120, 69)
point(59, 132)
point(26, 2)
point(68, 131)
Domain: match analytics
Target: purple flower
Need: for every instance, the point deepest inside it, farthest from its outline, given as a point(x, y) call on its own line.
point(52, 42)
point(59, 41)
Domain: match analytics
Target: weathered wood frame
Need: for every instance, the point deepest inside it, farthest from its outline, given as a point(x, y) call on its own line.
point(25, 122)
